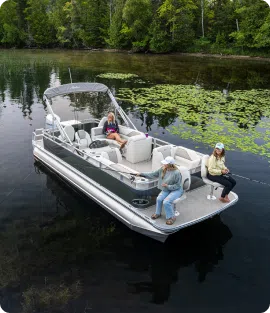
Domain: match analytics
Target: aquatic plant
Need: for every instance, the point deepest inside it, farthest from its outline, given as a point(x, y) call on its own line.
point(120, 76)
point(240, 120)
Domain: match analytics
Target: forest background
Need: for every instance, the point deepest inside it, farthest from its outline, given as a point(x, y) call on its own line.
point(157, 26)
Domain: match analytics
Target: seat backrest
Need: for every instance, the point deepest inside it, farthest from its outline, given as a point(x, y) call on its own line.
point(203, 166)
point(102, 121)
point(138, 149)
point(96, 133)
point(113, 155)
point(184, 153)
point(83, 138)
point(128, 132)
point(70, 132)
point(186, 178)
point(160, 154)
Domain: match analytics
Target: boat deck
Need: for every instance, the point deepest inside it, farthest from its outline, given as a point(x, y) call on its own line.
point(195, 208)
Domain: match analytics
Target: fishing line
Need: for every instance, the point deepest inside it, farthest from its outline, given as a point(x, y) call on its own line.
point(250, 179)
point(132, 174)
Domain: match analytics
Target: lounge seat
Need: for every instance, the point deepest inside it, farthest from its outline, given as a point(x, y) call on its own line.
point(183, 156)
point(186, 157)
point(207, 181)
point(124, 132)
point(138, 149)
point(160, 154)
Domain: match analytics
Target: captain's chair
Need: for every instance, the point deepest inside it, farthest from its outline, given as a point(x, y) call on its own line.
point(207, 181)
point(82, 138)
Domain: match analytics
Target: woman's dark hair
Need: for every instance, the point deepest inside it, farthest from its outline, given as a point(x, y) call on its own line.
point(221, 155)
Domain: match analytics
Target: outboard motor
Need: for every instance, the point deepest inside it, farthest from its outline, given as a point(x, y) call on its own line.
point(50, 124)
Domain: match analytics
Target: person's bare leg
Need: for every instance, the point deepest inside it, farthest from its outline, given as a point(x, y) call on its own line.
point(116, 137)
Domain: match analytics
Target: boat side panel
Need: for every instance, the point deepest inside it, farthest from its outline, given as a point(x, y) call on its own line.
point(111, 205)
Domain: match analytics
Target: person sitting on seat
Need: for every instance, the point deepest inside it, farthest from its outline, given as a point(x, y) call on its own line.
point(169, 182)
point(218, 172)
point(111, 130)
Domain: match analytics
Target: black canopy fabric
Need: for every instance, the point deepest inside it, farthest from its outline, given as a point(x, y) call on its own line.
point(74, 88)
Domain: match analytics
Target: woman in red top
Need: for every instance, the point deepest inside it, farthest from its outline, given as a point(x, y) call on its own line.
point(111, 130)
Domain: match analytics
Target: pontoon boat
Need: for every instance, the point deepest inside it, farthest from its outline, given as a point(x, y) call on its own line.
point(78, 151)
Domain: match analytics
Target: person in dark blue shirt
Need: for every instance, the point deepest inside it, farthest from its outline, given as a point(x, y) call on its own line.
point(111, 130)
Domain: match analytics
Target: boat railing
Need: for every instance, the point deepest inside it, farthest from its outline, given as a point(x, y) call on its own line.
point(97, 161)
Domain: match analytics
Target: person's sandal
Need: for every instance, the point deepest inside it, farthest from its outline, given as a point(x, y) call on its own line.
point(155, 216)
point(170, 221)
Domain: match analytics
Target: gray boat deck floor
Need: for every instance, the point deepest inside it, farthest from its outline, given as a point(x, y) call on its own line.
point(194, 208)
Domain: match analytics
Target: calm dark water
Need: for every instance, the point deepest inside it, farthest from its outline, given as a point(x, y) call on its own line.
point(60, 252)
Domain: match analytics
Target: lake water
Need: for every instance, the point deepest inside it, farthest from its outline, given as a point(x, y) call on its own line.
point(61, 252)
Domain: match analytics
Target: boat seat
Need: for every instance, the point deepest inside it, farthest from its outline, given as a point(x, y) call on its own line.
point(102, 121)
point(160, 154)
point(207, 181)
point(120, 171)
point(70, 131)
point(185, 183)
point(82, 138)
point(114, 155)
point(127, 132)
point(186, 157)
point(124, 132)
point(138, 149)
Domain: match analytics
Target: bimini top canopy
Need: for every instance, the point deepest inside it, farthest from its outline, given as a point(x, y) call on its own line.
point(74, 88)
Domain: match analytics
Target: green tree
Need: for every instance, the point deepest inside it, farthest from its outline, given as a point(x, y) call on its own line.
point(179, 15)
point(117, 38)
point(9, 31)
point(41, 32)
point(251, 16)
point(137, 17)
point(94, 22)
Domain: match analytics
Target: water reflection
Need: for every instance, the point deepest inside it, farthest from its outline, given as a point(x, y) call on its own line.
point(201, 245)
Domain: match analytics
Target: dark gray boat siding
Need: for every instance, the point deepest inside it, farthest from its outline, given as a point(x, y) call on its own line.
point(101, 177)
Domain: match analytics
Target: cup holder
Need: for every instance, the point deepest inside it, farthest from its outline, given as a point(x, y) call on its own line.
point(140, 202)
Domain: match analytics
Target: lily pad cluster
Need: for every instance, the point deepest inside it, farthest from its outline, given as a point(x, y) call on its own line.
point(240, 119)
point(120, 76)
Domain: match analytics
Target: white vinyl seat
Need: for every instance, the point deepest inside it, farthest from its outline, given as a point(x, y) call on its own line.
point(185, 183)
point(70, 131)
point(114, 155)
point(160, 154)
point(82, 138)
point(138, 149)
point(185, 157)
point(102, 121)
point(207, 181)
point(119, 170)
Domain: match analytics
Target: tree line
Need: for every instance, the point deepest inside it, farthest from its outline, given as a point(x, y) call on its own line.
point(158, 26)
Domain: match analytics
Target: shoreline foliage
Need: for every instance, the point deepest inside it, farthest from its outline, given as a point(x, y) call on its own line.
point(223, 26)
